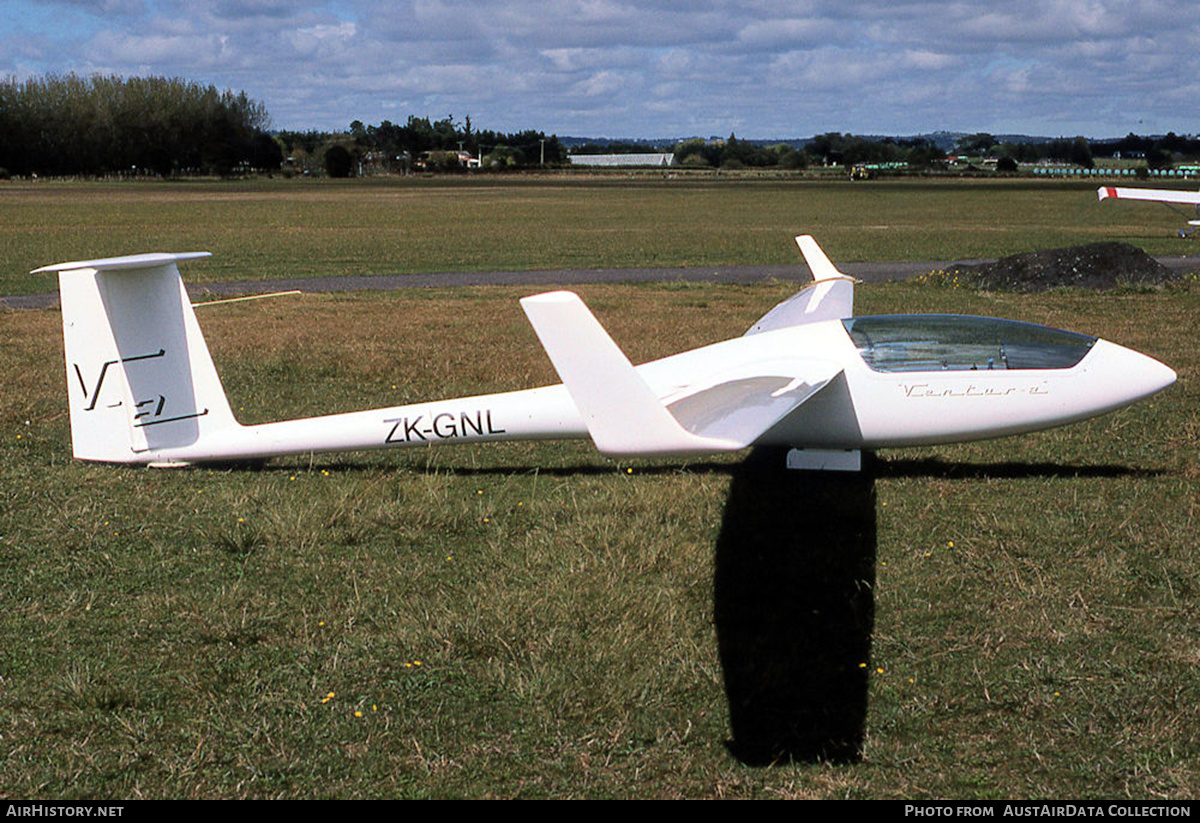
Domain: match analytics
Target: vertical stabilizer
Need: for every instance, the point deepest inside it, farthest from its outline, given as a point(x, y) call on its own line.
point(139, 376)
point(622, 413)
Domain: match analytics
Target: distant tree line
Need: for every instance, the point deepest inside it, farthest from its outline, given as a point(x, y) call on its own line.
point(837, 149)
point(1076, 150)
point(418, 143)
point(1157, 152)
point(736, 154)
point(832, 148)
point(850, 150)
point(71, 125)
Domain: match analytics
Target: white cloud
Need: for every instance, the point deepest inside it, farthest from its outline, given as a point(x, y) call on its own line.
point(789, 33)
point(649, 67)
point(162, 53)
point(312, 41)
point(602, 83)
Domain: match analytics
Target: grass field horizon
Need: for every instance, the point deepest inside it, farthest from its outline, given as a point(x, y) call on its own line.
point(1005, 619)
point(263, 229)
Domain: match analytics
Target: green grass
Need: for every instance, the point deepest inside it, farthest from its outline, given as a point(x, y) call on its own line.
point(305, 228)
point(1015, 618)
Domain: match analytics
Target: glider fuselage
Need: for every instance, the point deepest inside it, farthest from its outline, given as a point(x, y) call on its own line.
point(142, 387)
point(901, 403)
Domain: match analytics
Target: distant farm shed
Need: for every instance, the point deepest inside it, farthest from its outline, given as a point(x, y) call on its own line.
point(610, 160)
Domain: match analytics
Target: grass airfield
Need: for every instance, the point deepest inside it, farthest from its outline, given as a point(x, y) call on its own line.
point(1009, 619)
point(303, 228)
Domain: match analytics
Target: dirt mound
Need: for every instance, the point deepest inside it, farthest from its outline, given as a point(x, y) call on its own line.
point(1099, 266)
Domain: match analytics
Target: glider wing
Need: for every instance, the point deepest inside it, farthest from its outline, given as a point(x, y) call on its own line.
point(1187, 198)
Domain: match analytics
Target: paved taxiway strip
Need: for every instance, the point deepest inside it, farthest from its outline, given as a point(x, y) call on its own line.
point(867, 272)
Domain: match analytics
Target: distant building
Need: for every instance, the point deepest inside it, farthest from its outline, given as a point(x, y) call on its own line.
point(627, 160)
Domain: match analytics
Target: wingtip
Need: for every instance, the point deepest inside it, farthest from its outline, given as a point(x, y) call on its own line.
point(819, 264)
point(562, 296)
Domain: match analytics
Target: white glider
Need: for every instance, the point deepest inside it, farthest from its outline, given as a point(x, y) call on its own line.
point(1169, 197)
point(809, 375)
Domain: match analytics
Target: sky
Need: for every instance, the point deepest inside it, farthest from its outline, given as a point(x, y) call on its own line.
point(650, 68)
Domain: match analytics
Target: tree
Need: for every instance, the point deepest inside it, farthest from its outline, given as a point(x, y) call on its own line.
point(1081, 153)
point(1159, 158)
point(786, 157)
point(924, 153)
point(979, 143)
point(265, 153)
point(692, 152)
point(338, 161)
point(107, 124)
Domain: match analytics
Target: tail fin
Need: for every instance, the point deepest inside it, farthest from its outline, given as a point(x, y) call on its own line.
point(626, 418)
point(140, 379)
point(623, 415)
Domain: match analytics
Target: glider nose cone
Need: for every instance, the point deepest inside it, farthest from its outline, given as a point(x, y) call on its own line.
point(1131, 375)
point(1163, 375)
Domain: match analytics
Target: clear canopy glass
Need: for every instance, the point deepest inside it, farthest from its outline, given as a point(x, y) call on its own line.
point(950, 342)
